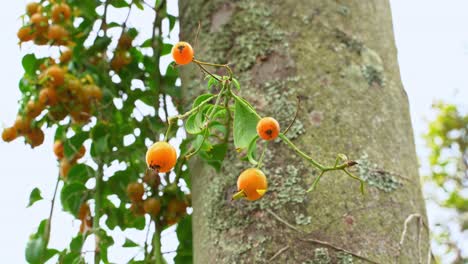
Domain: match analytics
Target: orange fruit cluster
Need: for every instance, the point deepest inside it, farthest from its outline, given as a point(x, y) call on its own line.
point(65, 163)
point(122, 56)
point(46, 26)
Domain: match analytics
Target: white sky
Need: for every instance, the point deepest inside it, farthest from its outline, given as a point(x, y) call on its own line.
point(432, 41)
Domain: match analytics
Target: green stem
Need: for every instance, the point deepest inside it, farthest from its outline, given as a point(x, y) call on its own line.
point(97, 210)
point(158, 257)
point(302, 154)
point(215, 65)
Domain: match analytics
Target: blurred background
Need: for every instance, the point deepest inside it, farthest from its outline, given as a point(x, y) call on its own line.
point(432, 42)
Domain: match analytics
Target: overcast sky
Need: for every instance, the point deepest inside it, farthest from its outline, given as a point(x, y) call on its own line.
point(432, 41)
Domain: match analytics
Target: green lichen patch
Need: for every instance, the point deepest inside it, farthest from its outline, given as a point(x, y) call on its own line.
point(321, 256)
point(381, 179)
point(344, 258)
point(372, 75)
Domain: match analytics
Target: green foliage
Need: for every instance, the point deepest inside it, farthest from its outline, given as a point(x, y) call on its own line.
point(447, 140)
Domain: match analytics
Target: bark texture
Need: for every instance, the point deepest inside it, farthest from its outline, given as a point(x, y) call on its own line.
point(340, 58)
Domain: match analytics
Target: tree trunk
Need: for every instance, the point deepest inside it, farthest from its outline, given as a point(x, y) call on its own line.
point(339, 58)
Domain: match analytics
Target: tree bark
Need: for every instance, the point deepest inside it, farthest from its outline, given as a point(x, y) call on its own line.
point(339, 58)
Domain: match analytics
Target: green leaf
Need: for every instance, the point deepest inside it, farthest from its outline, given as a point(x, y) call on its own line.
point(77, 243)
point(184, 235)
point(138, 4)
point(172, 21)
point(119, 3)
point(72, 196)
point(251, 151)
point(236, 83)
point(215, 155)
point(30, 64)
point(73, 145)
point(129, 243)
point(34, 196)
point(80, 173)
point(35, 250)
point(245, 124)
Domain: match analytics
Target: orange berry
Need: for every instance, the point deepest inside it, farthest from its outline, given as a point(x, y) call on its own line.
point(56, 74)
point(32, 8)
point(125, 42)
point(9, 134)
point(22, 125)
point(57, 114)
point(120, 60)
point(81, 152)
point(60, 12)
point(268, 128)
point(39, 22)
point(152, 206)
point(135, 191)
point(58, 34)
point(182, 53)
point(58, 149)
point(25, 34)
point(253, 183)
point(65, 166)
point(33, 109)
point(35, 137)
point(161, 156)
point(48, 96)
point(66, 56)
point(137, 208)
point(92, 92)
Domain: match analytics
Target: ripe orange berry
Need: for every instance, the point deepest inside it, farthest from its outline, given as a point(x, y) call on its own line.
point(268, 128)
point(66, 56)
point(125, 42)
point(58, 34)
point(32, 8)
point(120, 60)
point(137, 208)
point(56, 74)
point(161, 156)
point(39, 22)
point(60, 12)
point(35, 137)
point(65, 166)
point(58, 149)
point(92, 92)
point(152, 206)
point(9, 134)
point(33, 109)
point(25, 34)
point(135, 191)
point(253, 183)
point(182, 53)
point(22, 125)
point(48, 96)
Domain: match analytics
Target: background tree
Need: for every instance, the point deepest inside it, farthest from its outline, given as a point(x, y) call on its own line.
point(447, 140)
point(339, 58)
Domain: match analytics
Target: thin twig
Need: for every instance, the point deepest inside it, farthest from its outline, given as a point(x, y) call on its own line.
point(283, 221)
point(279, 253)
point(49, 221)
point(420, 225)
point(295, 116)
point(324, 243)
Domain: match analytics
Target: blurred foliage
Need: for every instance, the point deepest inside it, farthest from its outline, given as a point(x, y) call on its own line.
point(447, 139)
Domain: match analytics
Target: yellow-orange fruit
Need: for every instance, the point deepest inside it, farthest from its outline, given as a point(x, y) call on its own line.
point(65, 166)
point(161, 156)
point(137, 208)
point(39, 22)
point(32, 8)
point(125, 42)
point(120, 60)
point(81, 152)
point(60, 12)
point(25, 34)
point(182, 53)
point(253, 183)
point(58, 34)
point(268, 128)
point(35, 137)
point(66, 56)
point(92, 92)
point(58, 149)
point(48, 96)
point(152, 206)
point(135, 191)
point(9, 134)
point(33, 109)
point(56, 75)
point(22, 125)
point(57, 114)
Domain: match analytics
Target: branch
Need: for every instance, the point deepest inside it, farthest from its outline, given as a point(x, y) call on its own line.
point(97, 210)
